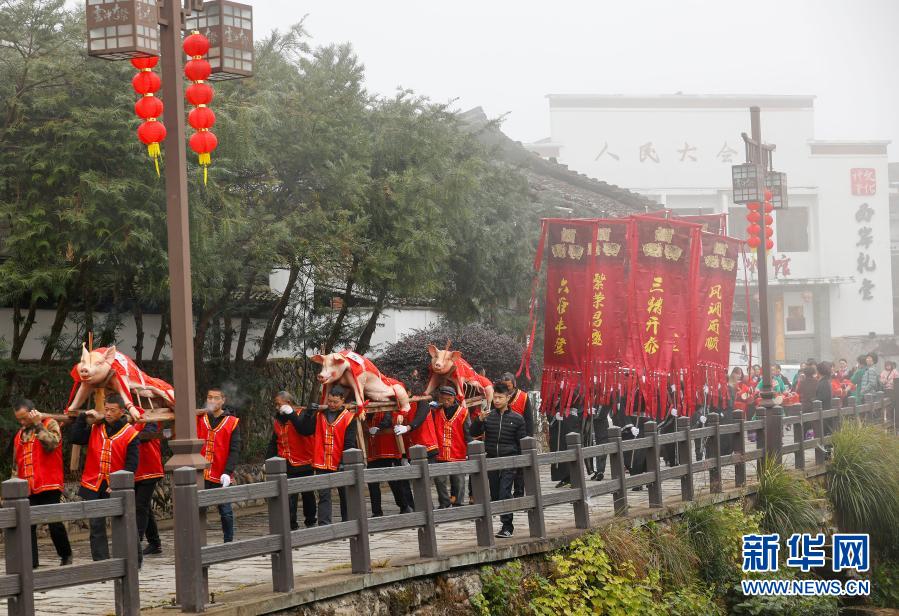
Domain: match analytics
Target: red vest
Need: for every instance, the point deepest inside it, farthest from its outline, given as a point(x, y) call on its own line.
point(329, 440)
point(42, 469)
point(383, 444)
point(217, 444)
point(293, 446)
point(150, 464)
point(451, 434)
point(519, 402)
point(105, 454)
point(425, 434)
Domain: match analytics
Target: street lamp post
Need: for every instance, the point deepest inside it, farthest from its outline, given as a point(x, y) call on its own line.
point(751, 181)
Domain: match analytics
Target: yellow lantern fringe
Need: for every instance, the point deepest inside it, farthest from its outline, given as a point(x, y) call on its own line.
point(205, 160)
point(154, 152)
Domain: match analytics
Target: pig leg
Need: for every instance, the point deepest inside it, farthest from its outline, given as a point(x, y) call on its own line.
point(402, 398)
point(81, 395)
point(126, 396)
point(433, 383)
point(488, 394)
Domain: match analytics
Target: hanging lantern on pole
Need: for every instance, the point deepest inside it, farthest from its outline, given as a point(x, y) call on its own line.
point(200, 94)
point(769, 220)
point(149, 107)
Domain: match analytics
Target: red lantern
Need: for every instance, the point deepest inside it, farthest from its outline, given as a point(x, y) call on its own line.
point(146, 82)
point(768, 196)
point(753, 229)
point(199, 94)
point(197, 70)
point(769, 208)
point(753, 205)
point(769, 244)
point(201, 117)
point(769, 231)
point(769, 220)
point(196, 45)
point(144, 63)
point(148, 107)
point(753, 242)
point(753, 217)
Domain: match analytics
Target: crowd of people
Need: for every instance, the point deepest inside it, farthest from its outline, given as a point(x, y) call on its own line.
point(312, 440)
point(822, 381)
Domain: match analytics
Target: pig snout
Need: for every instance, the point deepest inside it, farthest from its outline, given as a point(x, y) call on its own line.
point(325, 377)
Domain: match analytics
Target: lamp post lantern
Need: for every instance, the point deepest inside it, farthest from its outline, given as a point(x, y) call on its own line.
point(756, 182)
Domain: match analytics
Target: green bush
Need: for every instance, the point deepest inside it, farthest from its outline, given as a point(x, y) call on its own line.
point(503, 591)
point(584, 582)
point(863, 484)
point(785, 501)
point(885, 584)
point(672, 554)
point(691, 601)
point(716, 534)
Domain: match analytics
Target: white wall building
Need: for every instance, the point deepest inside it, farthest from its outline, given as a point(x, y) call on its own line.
point(834, 239)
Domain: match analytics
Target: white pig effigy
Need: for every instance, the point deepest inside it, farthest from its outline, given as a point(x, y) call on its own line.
point(448, 367)
point(107, 368)
point(360, 374)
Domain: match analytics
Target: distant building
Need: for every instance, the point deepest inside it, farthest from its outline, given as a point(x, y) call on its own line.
point(831, 281)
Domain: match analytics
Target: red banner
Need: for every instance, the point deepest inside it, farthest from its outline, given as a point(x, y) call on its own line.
point(568, 312)
point(715, 281)
point(608, 333)
point(660, 309)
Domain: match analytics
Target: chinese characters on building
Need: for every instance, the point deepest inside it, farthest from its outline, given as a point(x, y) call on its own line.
point(863, 181)
point(647, 153)
point(864, 263)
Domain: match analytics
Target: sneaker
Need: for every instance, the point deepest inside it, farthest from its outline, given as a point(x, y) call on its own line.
point(597, 477)
point(504, 534)
point(152, 548)
point(562, 484)
point(407, 510)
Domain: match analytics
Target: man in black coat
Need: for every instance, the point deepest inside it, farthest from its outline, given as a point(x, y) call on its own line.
point(503, 430)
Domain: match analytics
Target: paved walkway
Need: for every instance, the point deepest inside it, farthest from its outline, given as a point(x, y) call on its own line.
point(157, 580)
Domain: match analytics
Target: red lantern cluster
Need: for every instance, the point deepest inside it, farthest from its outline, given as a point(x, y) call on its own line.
point(200, 94)
point(759, 220)
point(148, 107)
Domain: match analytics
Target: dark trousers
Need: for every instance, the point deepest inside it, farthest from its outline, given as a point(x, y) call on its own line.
point(501, 483)
point(456, 488)
point(99, 544)
point(324, 502)
point(143, 508)
point(309, 506)
point(518, 488)
point(152, 532)
point(402, 491)
point(226, 513)
point(57, 529)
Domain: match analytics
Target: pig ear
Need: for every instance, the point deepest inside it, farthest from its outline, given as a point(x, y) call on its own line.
point(456, 355)
point(317, 358)
point(85, 356)
point(110, 354)
point(432, 350)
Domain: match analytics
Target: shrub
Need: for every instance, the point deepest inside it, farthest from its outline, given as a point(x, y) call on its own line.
point(885, 584)
point(502, 591)
point(863, 484)
point(785, 501)
point(584, 582)
point(691, 601)
point(479, 345)
point(672, 554)
point(716, 534)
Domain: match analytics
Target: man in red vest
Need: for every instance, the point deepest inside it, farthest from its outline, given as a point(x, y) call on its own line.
point(221, 448)
point(383, 452)
point(520, 402)
point(112, 446)
point(453, 433)
point(287, 442)
point(38, 460)
point(149, 472)
point(334, 428)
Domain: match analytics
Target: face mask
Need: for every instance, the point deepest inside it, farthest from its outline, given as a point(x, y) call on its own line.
point(285, 408)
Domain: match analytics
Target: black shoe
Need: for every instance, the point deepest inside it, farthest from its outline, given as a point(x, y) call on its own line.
point(407, 510)
point(65, 560)
point(597, 477)
point(377, 515)
point(153, 548)
point(504, 534)
point(637, 489)
point(562, 484)
point(294, 526)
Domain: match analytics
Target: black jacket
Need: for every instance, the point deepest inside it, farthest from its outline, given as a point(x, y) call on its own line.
point(502, 432)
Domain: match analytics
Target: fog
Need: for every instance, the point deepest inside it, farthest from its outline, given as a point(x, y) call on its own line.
point(506, 56)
